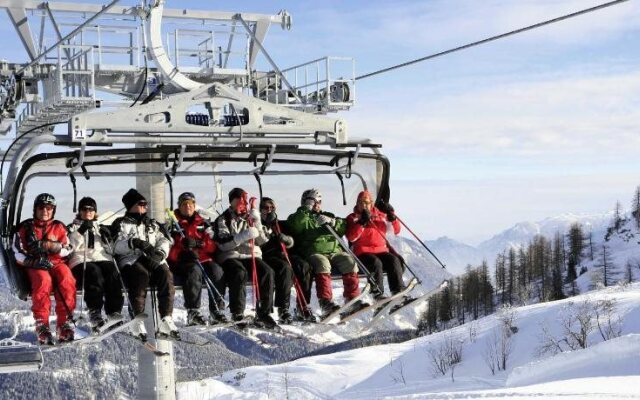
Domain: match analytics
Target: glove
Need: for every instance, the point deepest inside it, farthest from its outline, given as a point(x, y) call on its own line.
point(254, 214)
point(365, 217)
point(51, 246)
point(85, 226)
point(323, 219)
point(143, 245)
point(191, 243)
point(270, 218)
point(105, 234)
point(250, 233)
point(188, 256)
point(156, 258)
point(286, 240)
point(38, 263)
point(387, 209)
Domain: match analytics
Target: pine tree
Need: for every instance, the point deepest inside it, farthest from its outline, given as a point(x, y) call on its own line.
point(445, 306)
point(576, 245)
point(635, 207)
point(557, 266)
point(617, 217)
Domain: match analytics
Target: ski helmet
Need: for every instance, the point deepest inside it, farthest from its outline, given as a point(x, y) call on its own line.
point(44, 199)
point(186, 196)
point(311, 194)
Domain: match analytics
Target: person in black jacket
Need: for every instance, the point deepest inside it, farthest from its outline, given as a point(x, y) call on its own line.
point(284, 265)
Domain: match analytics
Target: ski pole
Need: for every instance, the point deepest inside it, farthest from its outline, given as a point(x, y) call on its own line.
point(355, 258)
point(252, 243)
point(111, 247)
point(84, 271)
point(419, 241)
point(302, 302)
point(213, 291)
point(395, 252)
point(64, 302)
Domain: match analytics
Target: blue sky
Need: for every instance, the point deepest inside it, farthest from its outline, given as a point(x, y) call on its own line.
point(535, 125)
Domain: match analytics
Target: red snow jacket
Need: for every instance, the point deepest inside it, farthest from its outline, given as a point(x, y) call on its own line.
point(372, 237)
point(196, 228)
point(34, 230)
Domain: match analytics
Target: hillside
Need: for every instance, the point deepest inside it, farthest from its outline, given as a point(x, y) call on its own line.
point(602, 370)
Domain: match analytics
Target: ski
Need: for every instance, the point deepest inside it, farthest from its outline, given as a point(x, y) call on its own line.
point(381, 305)
point(145, 345)
point(108, 325)
point(397, 305)
point(420, 299)
point(326, 318)
point(96, 338)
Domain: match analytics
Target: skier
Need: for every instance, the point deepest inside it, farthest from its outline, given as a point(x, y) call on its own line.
point(321, 249)
point(273, 254)
point(141, 249)
point(195, 245)
point(367, 229)
point(239, 234)
point(41, 246)
point(92, 265)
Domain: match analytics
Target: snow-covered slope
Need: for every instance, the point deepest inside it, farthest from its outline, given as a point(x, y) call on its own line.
point(608, 369)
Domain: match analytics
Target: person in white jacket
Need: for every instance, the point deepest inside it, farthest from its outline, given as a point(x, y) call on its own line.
point(92, 265)
point(239, 234)
point(141, 249)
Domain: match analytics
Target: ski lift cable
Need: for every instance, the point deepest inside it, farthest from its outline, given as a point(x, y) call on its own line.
point(492, 38)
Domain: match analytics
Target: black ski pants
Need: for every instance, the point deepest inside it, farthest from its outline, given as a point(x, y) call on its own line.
point(283, 277)
point(139, 276)
point(379, 263)
point(304, 272)
point(189, 275)
point(237, 271)
point(102, 285)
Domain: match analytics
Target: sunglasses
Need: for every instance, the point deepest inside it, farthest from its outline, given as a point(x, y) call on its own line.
point(87, 208)
point(268, 208)
point(47, 207)
point(142, 203)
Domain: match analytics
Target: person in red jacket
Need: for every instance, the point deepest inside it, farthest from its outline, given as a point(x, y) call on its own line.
point(196, 246)
point(367, 229)
point(40, 247)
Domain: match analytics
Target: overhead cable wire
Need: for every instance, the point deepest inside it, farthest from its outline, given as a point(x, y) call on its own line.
point(492, 38)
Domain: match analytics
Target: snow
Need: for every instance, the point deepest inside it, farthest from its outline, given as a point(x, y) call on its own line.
point(605, 369)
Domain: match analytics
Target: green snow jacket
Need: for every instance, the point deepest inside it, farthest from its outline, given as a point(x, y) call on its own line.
point(312, 238)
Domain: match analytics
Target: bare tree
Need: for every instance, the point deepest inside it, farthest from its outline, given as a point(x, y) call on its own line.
point(398, 368)
point(577, 321)
point(609, 324)
point(472, 328)
point(628, 272)
point(285, 378)
point(500, 345)
point(446, 355)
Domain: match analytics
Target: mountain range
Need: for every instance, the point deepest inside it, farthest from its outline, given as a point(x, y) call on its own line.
point(457, 255)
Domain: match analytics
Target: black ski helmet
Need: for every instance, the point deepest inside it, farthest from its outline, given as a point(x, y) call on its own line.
point(44, 199)
point(186, 196)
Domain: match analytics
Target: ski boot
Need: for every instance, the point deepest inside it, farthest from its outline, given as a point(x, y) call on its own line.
point(95, 320)
point(284, 316)
point(217, 317)
point(138, 330)
point(168, 329)
point(327, 306)
point(195, 318)
point(44, 335)
point(265, 321)
point(65, 332)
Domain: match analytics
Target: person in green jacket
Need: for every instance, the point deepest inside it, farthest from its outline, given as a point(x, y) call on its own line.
point(321, 249)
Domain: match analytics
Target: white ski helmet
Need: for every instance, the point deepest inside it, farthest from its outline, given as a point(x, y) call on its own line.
point(311, 194)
